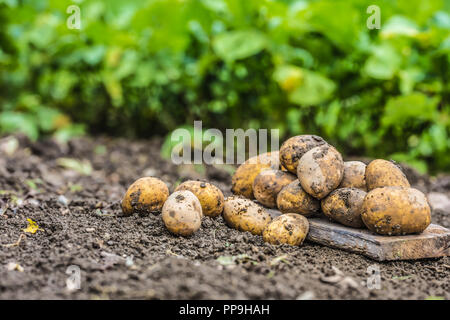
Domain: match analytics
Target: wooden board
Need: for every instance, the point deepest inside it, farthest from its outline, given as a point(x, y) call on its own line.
point(433, 242)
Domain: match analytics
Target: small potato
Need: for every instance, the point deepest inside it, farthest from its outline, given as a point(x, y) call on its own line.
point(320, 171)
point(182, 213)
point(289, 228)
point(268, 184)
point(294, 148)
point(292, 198)
point(354, 175)
point(242, 180)
point(245, 215)
point(211, 198)
point(344, 206)
point(383, 173)
point(396, 211)
point(145, 195)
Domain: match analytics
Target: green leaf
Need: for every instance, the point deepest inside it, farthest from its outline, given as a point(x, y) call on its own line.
point(240, 44)
point(399, 26)
point(383, 63)
point(313, 90)
point(83, 167)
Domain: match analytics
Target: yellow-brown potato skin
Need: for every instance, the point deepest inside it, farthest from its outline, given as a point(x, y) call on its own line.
point(268, 184)
point(292, 198)
point(211, 198)
point(289, 228)
point(396, 211)
point(383, 173)
point(245, 215)
point(344, 206)
point(295, 147)
point(242, 180)
point(354, 175)
point(320, 171)
point(145, 195)
point(182, 213)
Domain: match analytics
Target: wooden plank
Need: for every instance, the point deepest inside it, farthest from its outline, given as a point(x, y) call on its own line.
point(431, 243)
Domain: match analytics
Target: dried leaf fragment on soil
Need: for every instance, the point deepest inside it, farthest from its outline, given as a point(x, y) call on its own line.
point(32, 227)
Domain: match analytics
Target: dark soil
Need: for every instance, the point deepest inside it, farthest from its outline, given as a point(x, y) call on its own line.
point(136, 257)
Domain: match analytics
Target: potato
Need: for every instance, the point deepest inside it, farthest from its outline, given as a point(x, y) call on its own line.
point(320, 171)
point(294, 148)
point(210, 197)
point(344, 206)
point(396, 211)
point(354, 175)
point(268, 183)
point(245, 215)
point(289, 228)
point(383, 173)
point(292, 198)
point(145, 195)
point(182, 213)
point(242, 180)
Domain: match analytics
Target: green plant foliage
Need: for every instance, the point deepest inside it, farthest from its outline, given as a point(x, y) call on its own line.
point(145, 67)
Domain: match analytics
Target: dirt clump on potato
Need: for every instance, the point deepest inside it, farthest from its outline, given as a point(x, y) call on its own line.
point(289, 228)
point(146, 195)
point(268, 184)
point(295, 147)
point(382, 173)
point(210, 197)
point(354, 175)
point(345, 206)
point(292, 198)
point(245, 215)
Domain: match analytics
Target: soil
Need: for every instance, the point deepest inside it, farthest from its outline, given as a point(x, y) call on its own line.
point(80, 224)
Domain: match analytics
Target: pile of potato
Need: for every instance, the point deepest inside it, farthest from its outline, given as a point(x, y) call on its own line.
point(307, 176)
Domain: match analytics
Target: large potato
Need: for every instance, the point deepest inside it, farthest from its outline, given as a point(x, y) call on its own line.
point(242, 180)
point(383, 173)
point(292, 198)
point(396, 211)
point(144, 196)
point(320, 171)
point(354, 175)
point(344, 206)
point(182, 213)
point(245, 215)
point(210, 197)
point(268, 184)
point(289, 228)
point(294, 148)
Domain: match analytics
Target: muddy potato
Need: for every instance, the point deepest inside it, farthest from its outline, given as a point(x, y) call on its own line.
point(320, 171)
point(242, 180)
point(289, 228)
point(344, 206)
point(292, 198)
point(383, 173)
point(354, 175)
point(396, 211)
point(245, 215)
point(294, 148)
point(210, 197)
point(145, 195)
point(182, 213)
point(268, 184)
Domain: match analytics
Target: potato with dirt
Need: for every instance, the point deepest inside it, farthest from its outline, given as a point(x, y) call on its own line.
point(344, 205)
point(245, 215)
point(268, 184)
point(242, 180)
point(289, 228)
point(146, 195)
point(396, 211)
point(295, 147)
point(292, 198)
point(320, 171)
point(182, 213)
point(210, 197)
point(354, 175)
point(382, 173)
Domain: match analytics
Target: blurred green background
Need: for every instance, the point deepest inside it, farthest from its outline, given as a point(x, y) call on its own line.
point(141, 68)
